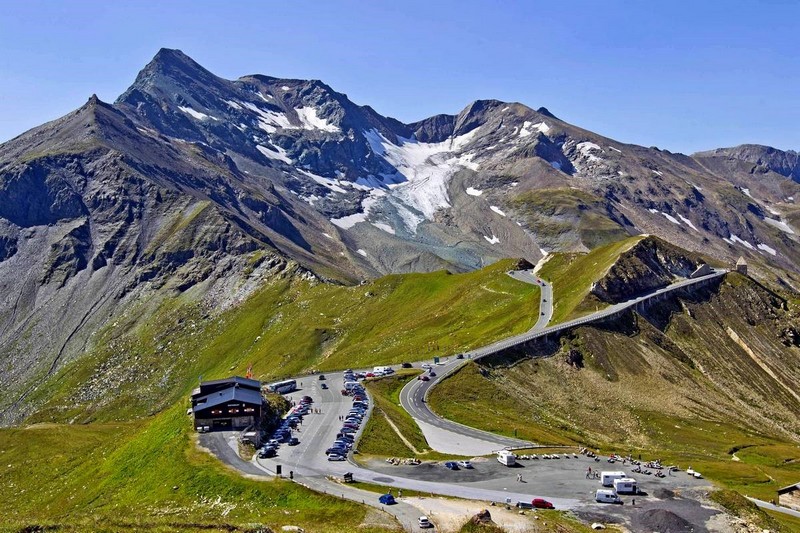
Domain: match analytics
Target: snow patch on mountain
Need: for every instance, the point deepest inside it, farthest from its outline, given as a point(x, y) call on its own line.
point(196, 114)
point(528, 128)
point(422, 170)
point(311, 121)
point(385, 227)
point(497, 210)
point(327, 182)
point(671, 218)
point(493, 240)
point(780, 224)
point(688, 222)
point(279, 153)
point(269, 121)
point(586, 149)
point(473, 191)
point(736, 238)
point(768, 249)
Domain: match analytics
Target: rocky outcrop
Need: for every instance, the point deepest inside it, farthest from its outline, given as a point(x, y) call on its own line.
point(649, 265)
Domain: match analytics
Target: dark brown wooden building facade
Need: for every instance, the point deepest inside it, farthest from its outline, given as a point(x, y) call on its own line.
point(232, 403)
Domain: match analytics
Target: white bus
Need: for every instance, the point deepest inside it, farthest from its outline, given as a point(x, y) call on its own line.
point(282, 387)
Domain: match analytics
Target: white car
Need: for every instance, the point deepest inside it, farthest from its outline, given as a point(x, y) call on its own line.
point(464, 464)
point(335, 457)
point(424, 523)
point(427, 365)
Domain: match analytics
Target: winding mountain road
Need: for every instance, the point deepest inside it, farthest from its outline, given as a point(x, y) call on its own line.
point(449, 435)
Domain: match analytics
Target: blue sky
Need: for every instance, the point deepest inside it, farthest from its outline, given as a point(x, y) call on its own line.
point(684, 76)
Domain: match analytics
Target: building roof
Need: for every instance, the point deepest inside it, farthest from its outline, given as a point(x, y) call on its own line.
point(790, 488)
point(227, 395)
point(741, 261)
point(234, 379)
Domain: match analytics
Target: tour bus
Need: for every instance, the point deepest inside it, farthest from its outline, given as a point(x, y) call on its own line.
point(282, 387)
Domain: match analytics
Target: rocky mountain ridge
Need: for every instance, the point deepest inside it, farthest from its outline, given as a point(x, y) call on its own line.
point(193, 184)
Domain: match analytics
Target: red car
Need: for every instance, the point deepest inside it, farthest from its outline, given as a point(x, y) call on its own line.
point(540, 503)
point(424, 378)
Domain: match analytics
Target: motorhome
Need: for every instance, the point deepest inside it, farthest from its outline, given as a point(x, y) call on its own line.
point(505, 457)
point(382, 370)
point(625, 485)
point(607, 478)
point(606, 496)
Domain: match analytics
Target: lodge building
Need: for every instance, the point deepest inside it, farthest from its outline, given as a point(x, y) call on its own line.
point(232, 403)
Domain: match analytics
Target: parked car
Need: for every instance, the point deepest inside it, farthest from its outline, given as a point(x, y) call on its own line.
point(541, 503)
point(266, 453)
point(406, 365)
point(323, 386)
point(427, 365)
point(451, 465)
point(465, 464)
point(293, 441)
point(387, 499)
point(424, 523)
point(335, 457)
point(423, 378)
point(460, 356)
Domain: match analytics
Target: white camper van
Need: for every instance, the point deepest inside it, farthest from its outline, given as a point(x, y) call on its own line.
point(625, 485)
point(607, 478)
point(505, 457)
point(606, 496)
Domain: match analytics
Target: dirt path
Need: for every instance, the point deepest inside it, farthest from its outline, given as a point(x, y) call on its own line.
point(402, 437)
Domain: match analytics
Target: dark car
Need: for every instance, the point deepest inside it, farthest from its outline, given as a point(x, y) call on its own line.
point(541, 503)
point(431, 373)
point(387, 499)
point(451, 465)
point(307, 399)
point(337, 450)
point(321, 377)
point(293, 441)
point(460, 356)
point(424, 378)
point(406, 365)
point(265, 453)
point(324, 386)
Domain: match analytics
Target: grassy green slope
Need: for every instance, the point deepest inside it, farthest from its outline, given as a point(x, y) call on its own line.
point(289, 327)
point(145, 475)
point(572, 276)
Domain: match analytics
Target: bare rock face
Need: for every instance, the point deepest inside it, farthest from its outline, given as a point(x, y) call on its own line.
point(651, 264)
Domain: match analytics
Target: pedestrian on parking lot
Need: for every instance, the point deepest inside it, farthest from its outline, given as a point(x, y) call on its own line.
point(399, 493)
point(633, 501)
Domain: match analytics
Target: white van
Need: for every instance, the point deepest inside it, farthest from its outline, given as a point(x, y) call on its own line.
point(607, 478)
point(505, 457)
point(606, 496)
point(625, 485)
